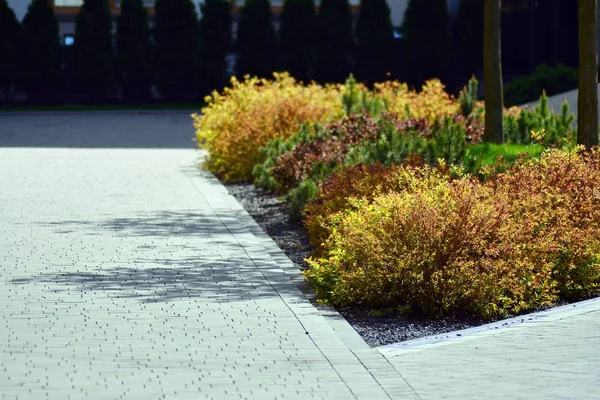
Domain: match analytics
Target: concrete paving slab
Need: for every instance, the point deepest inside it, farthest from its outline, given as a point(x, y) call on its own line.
point(129, 273)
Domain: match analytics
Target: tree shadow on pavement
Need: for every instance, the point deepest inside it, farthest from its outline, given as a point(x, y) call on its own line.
point(167, 256)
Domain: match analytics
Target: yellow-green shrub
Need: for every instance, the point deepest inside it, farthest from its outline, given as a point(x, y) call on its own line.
point(236, 123)
point(431, 103)
point(520, 241)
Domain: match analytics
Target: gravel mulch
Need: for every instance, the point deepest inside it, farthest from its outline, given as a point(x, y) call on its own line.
point(270, 213)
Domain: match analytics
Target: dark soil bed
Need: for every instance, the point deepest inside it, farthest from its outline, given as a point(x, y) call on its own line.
point(270, 213)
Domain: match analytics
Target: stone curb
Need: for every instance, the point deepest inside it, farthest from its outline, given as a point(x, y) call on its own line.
point(552, 314)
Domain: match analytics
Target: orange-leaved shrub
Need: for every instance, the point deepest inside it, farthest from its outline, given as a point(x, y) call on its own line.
point(522, 240)
point(235, 124)
point(341, 190)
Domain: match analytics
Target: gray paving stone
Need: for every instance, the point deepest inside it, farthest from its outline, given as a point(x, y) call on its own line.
point(129, 273)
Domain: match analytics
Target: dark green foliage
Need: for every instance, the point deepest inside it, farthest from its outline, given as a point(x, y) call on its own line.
point(396, 141)
point(335, 41)
point(427, 46)
point(318, 157)
point(256, 40)
point(556, 129)
point(215, 26)
point(299, 197)
point(449, 142)
point(177, 40)
point(134, 59)
point(375, 40)
point(468, 37)
point(93, 51)
point(10, 46)
point(357, 100)
point(41, 69)
point(468, 98)
point(274, 149)
point(553, 80)
point(297, 38)
point(445, 139)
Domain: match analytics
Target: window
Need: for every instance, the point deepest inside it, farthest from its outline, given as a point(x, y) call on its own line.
point(69, 40)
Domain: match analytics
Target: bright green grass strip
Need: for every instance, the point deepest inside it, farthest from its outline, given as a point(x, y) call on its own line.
point(485, 154)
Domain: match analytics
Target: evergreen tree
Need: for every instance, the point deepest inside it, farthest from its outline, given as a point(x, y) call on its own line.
point(375, 40)
point(426, 30)
point(587, 99)
point(215, 26)
point(93, 51)
point(297, 38)
point(256, 40)
point(41, 63)
point(10, 46)
point(177, 38)
point(134, 52)
point(335, 41)
point(492, 66)
point(468, 37)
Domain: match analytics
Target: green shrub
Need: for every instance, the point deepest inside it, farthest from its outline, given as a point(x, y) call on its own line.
point(467, 98)
point(299, 197)
point(357, 99)
point(448, 142)
point(552, 80)
point(316, 159)
point(276, 148)
point(396, 140)
point(556, 128)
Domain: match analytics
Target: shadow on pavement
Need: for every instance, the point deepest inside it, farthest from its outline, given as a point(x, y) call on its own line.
point(186, 255)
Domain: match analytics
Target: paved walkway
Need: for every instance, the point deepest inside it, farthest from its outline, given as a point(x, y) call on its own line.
point(126, 272)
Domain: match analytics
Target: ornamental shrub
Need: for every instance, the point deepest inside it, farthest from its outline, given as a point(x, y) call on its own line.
point(554, 200)
point(524, 239)
point(557, 128)
point(394, 143)
point(318, 158)
point(357, 98)
point(430, 103)
point(299, 197)
point(235, 124)
point(277, 147)
point(339, 191)
point(446, 139)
